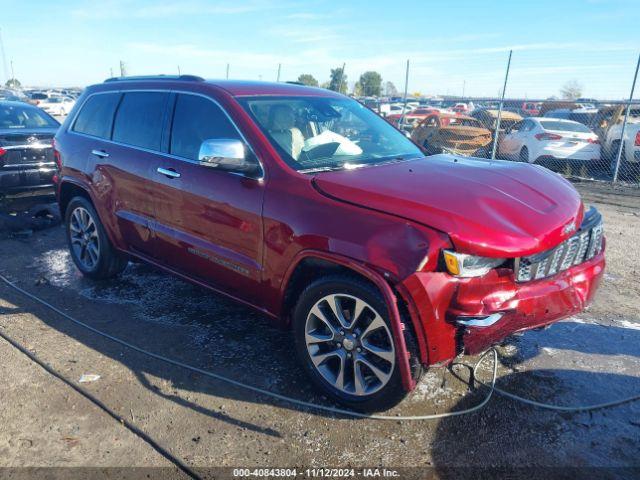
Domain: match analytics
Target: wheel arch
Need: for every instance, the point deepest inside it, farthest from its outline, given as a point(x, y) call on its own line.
point(310, 265)
point(68, 190)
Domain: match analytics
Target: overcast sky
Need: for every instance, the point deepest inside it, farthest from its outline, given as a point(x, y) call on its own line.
point(453, 46)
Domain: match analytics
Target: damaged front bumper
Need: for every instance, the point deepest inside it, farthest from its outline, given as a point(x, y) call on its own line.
point(468, 315)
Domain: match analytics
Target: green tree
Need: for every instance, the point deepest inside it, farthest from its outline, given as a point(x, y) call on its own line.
point(338, 80)
point(571, 90)
point(308, 79)
point(390, 89)
point(357, 89)
point(371, 83)
point(13, 83)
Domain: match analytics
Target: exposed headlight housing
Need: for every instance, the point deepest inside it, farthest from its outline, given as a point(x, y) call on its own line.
point(463, 265)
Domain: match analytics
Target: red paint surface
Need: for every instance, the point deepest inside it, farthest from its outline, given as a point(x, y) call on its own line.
point(441, 298)
point(487, 208)
point(379, 221)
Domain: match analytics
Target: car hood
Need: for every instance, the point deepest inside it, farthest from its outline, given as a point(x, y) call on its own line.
point(493, 208)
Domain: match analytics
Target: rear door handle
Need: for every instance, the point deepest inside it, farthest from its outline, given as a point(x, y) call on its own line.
point(99, 153)
point(169, 172)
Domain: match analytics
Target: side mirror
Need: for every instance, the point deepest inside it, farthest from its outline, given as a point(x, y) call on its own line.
point(226, 154)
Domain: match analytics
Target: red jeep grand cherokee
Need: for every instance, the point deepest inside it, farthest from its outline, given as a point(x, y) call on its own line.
point(309, 207)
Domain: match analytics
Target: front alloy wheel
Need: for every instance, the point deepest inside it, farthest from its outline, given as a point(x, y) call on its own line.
point(350, 344)
point(344, 341)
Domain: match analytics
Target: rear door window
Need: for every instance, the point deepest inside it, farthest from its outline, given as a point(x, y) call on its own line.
point(139, 119)
point(196, 119)
point(96, 116)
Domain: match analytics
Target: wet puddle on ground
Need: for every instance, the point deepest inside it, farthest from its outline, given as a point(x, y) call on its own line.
point(578, 360)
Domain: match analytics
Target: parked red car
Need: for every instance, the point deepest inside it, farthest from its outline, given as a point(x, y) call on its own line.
point(531, 109)
point(309, 207)
point(411, 118)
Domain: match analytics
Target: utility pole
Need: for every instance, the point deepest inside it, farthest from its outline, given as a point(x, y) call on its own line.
point(341, 78)
point(4, 58)
point(13, 75)
point(123, 69)
point(404, 102)
point(110, 72)
point(624, 123)
point(227, 71)
point(464, 85)
point(278, 77)
point(178, 70)
point(504, 88)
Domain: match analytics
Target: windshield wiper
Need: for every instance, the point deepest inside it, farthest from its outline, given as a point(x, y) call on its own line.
point(354, 166)
point(320, 169)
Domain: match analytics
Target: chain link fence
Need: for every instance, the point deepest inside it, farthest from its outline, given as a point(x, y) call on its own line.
point(577, 136)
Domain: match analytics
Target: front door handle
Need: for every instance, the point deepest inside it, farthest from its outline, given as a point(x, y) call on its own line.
point(99, 153)
point(168, 172)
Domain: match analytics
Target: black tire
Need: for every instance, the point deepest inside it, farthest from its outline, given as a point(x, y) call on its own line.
point(524, 155)
point(109, 262)
point(393, 391)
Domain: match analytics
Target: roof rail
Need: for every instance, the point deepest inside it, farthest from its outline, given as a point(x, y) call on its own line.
point(188, 78)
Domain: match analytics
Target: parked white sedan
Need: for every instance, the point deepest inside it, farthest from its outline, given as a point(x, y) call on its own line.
point(538, 139)
point(59, 106)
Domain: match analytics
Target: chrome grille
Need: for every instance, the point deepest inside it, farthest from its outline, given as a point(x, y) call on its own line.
point(582, 246)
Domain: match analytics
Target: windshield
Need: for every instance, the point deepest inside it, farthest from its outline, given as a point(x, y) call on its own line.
point(18, 116)
point(564, 126)
point(319, 133)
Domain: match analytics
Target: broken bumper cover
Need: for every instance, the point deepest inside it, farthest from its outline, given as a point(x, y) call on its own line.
point(469, 315)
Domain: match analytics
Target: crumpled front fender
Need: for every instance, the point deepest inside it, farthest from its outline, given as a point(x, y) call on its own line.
point(438, 299)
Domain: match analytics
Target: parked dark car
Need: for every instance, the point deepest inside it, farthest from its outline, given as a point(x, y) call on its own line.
point(26, 156)
point(307, 206)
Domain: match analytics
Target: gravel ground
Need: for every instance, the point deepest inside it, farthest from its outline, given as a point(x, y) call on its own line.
point(204, 423)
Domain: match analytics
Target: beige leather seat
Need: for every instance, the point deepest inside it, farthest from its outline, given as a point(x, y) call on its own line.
point(282, 128)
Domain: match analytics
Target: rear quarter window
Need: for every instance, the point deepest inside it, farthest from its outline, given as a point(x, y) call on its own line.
point(96, 116)
point(139, 119)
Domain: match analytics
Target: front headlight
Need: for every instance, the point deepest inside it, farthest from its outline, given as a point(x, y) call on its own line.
point(463, 265)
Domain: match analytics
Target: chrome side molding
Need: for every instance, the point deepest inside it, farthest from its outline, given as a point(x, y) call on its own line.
point(479, 321)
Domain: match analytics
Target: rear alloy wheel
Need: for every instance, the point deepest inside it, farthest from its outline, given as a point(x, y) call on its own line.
point(524, 155)
point(90, 248)
point(344, 339)
point(84, 239)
